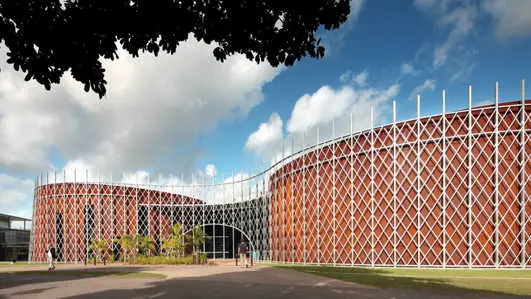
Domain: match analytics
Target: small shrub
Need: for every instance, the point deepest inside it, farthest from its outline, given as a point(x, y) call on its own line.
point(162, 260)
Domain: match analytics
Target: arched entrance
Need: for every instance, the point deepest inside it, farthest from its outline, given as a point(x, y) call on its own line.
point(222, 240)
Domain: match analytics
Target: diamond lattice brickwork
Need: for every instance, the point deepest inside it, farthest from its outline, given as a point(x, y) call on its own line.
point(450, 190)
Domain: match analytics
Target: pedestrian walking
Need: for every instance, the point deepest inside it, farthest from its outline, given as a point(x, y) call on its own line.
point(50, 252)
point(242, 252)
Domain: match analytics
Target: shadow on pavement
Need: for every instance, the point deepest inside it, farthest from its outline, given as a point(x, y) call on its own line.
point(18, 278)
point(284, 283)
point(231, 282)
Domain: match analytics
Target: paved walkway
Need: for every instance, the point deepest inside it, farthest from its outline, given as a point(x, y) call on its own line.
point(217, 281)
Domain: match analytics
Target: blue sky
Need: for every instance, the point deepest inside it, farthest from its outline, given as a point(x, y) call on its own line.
point(176, 115)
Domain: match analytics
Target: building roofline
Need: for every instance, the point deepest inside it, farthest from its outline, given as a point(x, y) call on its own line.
point(13, 217)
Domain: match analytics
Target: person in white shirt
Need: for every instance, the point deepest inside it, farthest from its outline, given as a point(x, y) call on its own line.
point(50, 258)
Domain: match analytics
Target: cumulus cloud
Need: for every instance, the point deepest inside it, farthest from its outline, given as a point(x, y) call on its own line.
point(15, 195)
point(153, 107)
point(429, 84)
point(511, 18)
point(210, 170)
point(148, 122)
point(267, 136)
point(361, 78)
point(328, 113)
point(327, 104)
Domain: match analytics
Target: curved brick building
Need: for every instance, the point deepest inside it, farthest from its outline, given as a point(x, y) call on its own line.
point(446, 190)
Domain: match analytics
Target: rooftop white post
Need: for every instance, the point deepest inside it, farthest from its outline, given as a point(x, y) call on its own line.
point(497, 179)
point(418, 182)
point(444, 199)
point(522, 178)
point(469, 212)
point(304, 199)
point(394, 188)
point(334, 192)
point(351, 191)
point(149, 204)
point(76, 244)
point(372, 190)
point(223, 210)
point(318, 199)
point(233, 214)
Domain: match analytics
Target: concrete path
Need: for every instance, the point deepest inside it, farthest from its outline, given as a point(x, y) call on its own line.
point(217, 281)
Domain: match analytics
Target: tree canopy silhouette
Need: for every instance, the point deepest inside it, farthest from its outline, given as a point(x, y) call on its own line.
point(45, 38)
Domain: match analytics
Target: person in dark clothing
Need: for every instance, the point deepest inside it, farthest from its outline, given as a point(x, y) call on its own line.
point(242, 252)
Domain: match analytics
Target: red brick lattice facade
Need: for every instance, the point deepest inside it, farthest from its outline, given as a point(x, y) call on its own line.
point(446, 190)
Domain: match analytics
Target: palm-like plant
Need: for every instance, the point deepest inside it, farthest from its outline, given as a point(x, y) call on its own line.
point(127, 244)
point(196, 238)
point(144, 244)
point(173, 244)
point(98, 247)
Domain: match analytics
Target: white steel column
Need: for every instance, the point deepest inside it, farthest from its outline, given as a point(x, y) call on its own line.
point(194, 196)
point(86, 222)
point(54, 217)
point(496, 180)
point(99, 205)
point(160, 213)
point(418, 181)
point(63, 217)
point(233, 216)
point(213, 216)
point(203, 207)
point(444, 176)
point(351, 175)
point(394, 188)
point(223, 211)
point(240, 205)
point(304, 197)
point(75, 217)
point(126, 211)
point(334, 190)
point(372, 187)
point(182, 205)
point(469, 212)
point(136, 203)
point(283, 195)
point(149, 204)
point(522, 178)
point(292, 175)
point(318, 198)
point(47, 215)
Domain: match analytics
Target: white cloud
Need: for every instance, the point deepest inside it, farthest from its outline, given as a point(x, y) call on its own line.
point(327, 104)
point(329, 113)
point(267, 136)
point(345, 77)
point(512, 18)
point(16, 195)
point(210, 170)
point(459, 16)
point(407, 68)
point(429, 84)
point(361, 78)
point(154, 109)
point(321, 107)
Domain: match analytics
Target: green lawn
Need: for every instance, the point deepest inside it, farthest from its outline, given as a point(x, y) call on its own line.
point(517, 282)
